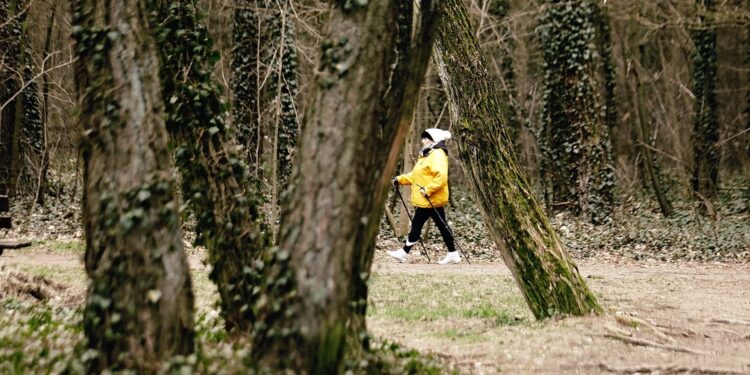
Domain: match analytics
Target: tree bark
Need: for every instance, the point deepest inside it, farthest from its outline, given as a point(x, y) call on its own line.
point(541, 266)
point(139, 306)
point(318, 288)
point(216, 181)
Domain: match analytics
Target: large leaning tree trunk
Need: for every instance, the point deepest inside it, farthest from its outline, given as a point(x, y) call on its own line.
point(139, 307)
point(542, 268)
point(371, 68)
point(216, 181)
point(706, 125)
point(577, 160)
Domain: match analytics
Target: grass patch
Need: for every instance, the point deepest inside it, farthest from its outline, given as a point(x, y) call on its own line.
point(466, 336)
point(428, 297)
point(72, 276)
point(62, 246)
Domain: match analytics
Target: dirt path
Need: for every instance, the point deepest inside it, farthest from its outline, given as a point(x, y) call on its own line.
point(661, 318)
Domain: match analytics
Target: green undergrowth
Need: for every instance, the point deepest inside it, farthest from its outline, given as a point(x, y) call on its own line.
point(385, 357)
point(639, 232)
point(40, 337)
point(636, 231)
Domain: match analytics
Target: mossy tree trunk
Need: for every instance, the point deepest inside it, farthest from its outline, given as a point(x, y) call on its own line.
point(577, 159)
point(706, 124)
point(541, 266)
point(367, 86)
point(139, 307)
point(216, 181)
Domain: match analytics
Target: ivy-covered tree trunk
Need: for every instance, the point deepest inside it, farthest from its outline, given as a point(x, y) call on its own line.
point(285, 86)
point(706, 125)
point(608, 76)
point(541, 266)
point(317, 289)
point(577, 159)
point(504, 55)
point(11, 31)
point(245, 85)
point(216, 181)
point(21, 129)
point(139, 306)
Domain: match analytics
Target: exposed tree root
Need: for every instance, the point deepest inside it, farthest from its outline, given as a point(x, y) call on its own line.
point(643, 342)
point(665, 370)
point(630, 321)
point(730, 321)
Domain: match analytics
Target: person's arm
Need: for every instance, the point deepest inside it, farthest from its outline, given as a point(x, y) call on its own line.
point(405, 179)
point(438, 165)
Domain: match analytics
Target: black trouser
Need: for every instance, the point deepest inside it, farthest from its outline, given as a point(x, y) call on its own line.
point(420, 217)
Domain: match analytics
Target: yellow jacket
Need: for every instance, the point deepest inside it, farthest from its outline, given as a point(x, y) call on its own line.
point(431, 173)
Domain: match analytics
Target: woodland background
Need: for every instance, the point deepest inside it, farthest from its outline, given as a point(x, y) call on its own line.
point(646, 95)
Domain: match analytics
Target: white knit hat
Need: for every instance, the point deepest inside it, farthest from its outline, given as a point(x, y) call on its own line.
point(438, 135)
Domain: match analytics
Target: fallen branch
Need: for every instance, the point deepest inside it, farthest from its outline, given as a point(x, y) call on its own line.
point(664, 370)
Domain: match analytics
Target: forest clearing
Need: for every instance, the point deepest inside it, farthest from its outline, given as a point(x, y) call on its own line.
point(661, 317)
point(375, 187)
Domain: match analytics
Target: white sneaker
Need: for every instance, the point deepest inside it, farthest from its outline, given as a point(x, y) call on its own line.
point(452, 257)
point(400, 255)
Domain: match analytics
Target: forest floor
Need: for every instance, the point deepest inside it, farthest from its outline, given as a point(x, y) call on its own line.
point(677, 317)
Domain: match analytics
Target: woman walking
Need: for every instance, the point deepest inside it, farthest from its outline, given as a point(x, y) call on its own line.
point(429, 194)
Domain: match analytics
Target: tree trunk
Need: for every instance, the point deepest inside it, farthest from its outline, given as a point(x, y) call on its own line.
point(706, 125)
point(577, 160)
point(317, 289)
point(541, 266)
point(21, 129)
point(608, 75)
point(245, 85)
point(504, 55)
point(11, 31)
point(642, 130)
point(408, 164)
point(42, 183)
point(215, 179)
point(139, 307)
point(286, 78)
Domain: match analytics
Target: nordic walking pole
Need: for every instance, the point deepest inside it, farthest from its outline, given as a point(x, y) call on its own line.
point(450, 231)
point(424, 250)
